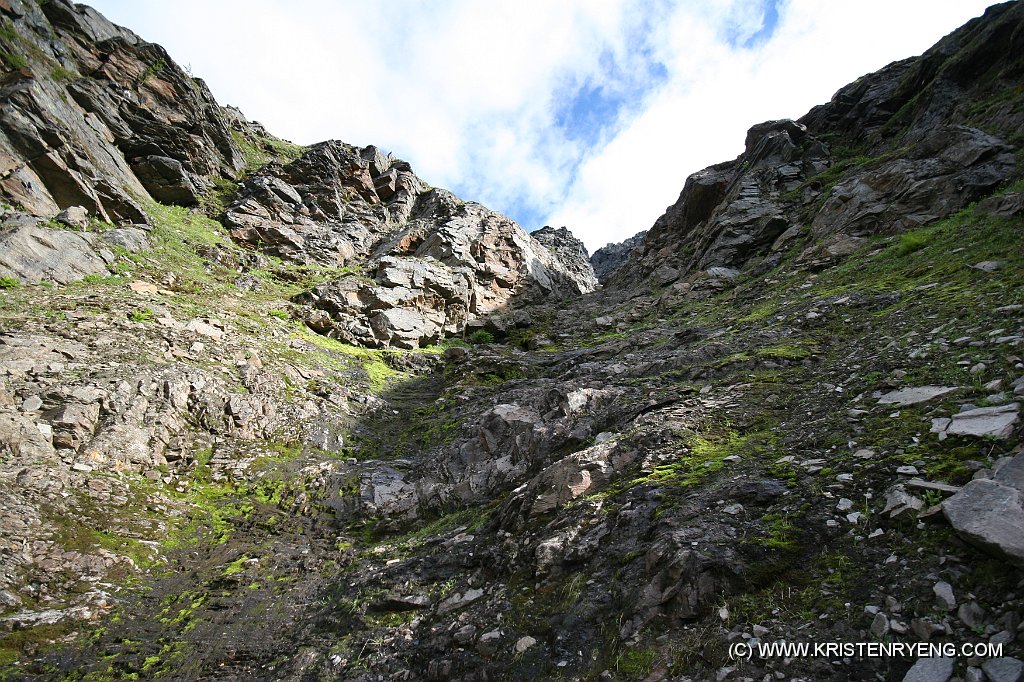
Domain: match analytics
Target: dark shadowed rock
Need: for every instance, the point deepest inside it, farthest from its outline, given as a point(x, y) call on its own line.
point(610, 257)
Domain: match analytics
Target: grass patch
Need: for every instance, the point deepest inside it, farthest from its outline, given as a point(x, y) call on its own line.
point(911, 242)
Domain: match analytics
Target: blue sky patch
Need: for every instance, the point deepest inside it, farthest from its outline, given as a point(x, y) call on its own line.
point(596, 110)
point(737, 35)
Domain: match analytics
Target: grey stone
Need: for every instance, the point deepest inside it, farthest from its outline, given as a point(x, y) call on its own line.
point(74, 216)
point(879, 625)
point(523, 644)
point(32, 254)
point(944, 597)
point(990, 515)
point(937, 669)
point(31, 404)
point(1003, 669)
point(131, 239)
point(917, 395)
point(994, 422)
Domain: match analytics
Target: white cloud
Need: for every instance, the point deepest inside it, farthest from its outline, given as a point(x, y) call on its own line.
point(468, 91)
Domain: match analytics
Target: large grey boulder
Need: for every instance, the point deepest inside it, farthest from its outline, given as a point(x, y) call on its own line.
point(989, 513)
point(31, 253)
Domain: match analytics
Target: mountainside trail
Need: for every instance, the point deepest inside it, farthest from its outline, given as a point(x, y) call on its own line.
point(282, 413)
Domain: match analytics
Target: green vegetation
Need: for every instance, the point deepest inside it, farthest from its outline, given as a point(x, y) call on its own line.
point(59, 73)
point(15, 61)
point(911, 242)
point(152, 70)
point(141, 315)
point(781, 533)
point(481, 336)
point(236, 566)
point(378, 373)
point(703, 456)
point(9, 282)
point(264, 150)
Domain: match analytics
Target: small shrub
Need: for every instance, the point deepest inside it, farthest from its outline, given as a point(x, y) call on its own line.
point(911, 242)
point(141, 315)
point(481, 336)
point(9, 282)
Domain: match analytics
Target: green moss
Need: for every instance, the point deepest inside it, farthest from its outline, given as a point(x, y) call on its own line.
point(235, 567)
point(785, 351)
point(59, 73)
point(263, 150)
point(15, 61)
point(781, 533)
point(704, 455)
point(379, 374)
point(9, 282)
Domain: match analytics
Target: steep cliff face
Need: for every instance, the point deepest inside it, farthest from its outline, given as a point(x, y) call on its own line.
point(433, 261)
point(896, 150)
point(96, 117)
point(231, 449)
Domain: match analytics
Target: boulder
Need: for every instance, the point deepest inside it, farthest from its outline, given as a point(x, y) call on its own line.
point(31, 253)
point(994, 422)
point(935, 669)
point(989, 513)
point(76, 217)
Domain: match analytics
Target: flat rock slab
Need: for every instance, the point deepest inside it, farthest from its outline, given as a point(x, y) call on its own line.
point(32, 253)
point(915, 395)
point(996, 422)
point(989, 513)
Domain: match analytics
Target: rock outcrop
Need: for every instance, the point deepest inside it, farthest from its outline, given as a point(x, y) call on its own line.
point(611, 257)
point(97, 117)
point(898, 149)
point(570, 252)
point(431, 261)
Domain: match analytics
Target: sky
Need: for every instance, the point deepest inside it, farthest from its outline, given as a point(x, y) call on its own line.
point(583, 113)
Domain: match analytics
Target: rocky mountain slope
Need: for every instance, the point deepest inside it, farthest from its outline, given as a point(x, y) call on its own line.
point(243, 435)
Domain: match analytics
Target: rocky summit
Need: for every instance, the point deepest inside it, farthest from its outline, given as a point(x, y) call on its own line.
point(277, 412)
